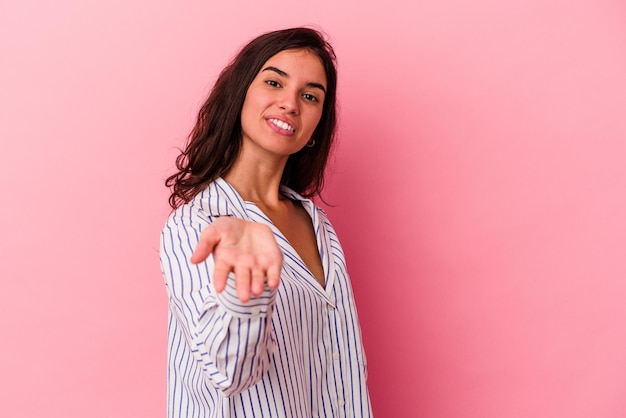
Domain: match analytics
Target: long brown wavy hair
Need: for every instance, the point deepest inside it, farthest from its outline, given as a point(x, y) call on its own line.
point(215, 141)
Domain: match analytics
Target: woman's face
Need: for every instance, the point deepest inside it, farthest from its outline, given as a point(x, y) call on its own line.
point(284, 103)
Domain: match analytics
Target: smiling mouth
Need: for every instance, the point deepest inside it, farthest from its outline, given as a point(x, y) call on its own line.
point(283, 125)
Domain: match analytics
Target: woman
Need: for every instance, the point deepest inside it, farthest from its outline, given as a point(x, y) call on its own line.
point(262, 320)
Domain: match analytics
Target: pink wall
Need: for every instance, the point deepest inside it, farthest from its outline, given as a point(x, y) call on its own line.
point(479, 191)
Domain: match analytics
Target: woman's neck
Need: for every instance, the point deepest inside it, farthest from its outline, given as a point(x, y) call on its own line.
point(257, 180)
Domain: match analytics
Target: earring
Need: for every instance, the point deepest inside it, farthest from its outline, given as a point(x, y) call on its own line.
point(311, 143)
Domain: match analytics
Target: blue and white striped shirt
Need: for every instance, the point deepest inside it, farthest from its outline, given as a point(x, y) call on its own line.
point(295, 351)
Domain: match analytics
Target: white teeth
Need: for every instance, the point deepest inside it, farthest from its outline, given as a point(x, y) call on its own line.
point(282, 125)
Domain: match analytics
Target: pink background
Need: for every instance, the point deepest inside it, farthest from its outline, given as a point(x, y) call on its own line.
point(479, 190)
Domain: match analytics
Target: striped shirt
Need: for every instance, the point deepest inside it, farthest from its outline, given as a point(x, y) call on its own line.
point(295, 351)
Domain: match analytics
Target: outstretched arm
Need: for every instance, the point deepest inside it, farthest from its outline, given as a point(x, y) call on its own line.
point(231, 340)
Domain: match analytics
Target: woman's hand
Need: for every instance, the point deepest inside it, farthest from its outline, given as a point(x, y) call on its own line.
point(248, 249)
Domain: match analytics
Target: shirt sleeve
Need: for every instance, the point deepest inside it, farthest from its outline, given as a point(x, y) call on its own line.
point(233, 341)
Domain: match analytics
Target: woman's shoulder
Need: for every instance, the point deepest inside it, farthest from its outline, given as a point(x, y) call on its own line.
point(217, 199)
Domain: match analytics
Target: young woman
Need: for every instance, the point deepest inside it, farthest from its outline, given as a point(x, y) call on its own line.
point(262, 320)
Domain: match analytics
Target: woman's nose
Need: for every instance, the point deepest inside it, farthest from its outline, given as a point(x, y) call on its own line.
point(289, 102)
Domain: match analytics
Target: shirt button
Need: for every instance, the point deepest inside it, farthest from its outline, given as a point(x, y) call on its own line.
point(255, 310)
point(335, 355)
point(341, 402)
point(251, 353)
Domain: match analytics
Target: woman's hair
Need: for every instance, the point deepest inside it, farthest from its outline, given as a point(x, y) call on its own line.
point(215, 141)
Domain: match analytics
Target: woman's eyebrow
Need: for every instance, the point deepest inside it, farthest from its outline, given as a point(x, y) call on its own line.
point(276, 70)
point(284, 74)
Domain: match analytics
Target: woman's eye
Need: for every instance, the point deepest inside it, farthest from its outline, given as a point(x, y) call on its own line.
point(309, 97)
point(272, 83)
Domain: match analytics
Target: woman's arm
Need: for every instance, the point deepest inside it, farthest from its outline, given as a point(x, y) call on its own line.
point(229, 333)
